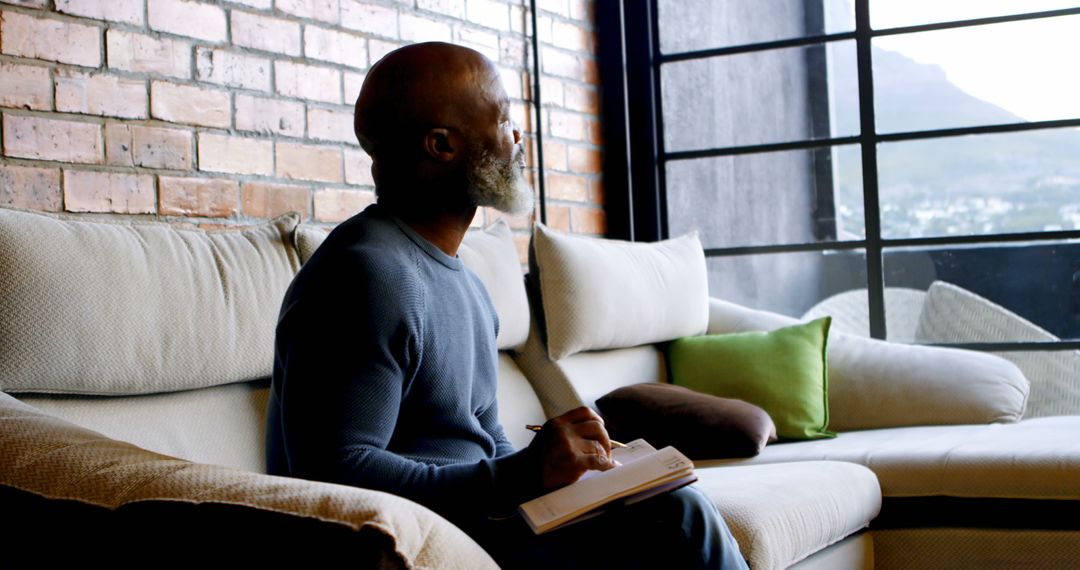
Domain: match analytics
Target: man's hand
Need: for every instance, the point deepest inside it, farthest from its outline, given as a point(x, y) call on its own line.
point(570, 445)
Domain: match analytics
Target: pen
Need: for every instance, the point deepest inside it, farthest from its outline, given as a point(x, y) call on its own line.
point(534, 427)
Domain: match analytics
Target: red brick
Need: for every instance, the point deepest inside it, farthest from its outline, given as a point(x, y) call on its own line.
point(265, 33)
point(569, 36)
point(585, 160)
point(512, 51)
point(232, 69)
point(308, 162)
point(369, 18)
point(596, 191)
point(236, 155)
point(555, 156)
point(269, 116)
point(308, 82)
point(521, 243)
point(488, 13)
point(149, 147)
point(551, 89)
point(581, 10)
point(53, 40)
point(100, 94)
point(353, 82)
point(25, 86)
point(188, 18)
point(558, 217)
point(197, 197)
point(567, 125)
point(263, 200)
point(325, 10)
point(330, 125)
point(337, 205)
point(188, 104)
point(30, 188)
point(482, 41)
point(560, 7)
point(582, 98)
point(584, 220)
point(108, 192)
point(452, 8)
point(337, 47)
point(146, 54)
point(52, 139)
point(596, 134)
point(517, 20)
point(128, 11)
point(589, 72)
point(567, 187)
point(561, 63)
point(378, 48)
point(358, 168)
point(416, 29)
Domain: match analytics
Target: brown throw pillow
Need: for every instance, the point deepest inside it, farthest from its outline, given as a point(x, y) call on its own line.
point(702, 426)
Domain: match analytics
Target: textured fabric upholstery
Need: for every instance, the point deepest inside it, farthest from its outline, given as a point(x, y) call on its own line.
point(876, 384)
point(780, 514)
point(220, 425)
point(599, 294)
point(954, 314)
point(518, 404)
point(49, 457)
point(975, 549)
point(1032, 459)
point(137, 308)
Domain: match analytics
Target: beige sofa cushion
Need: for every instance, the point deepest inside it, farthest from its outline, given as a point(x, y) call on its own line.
point(600, 294)
point(876, 384)
point(51, 458)
point(491, 254)
point(780, 514)
point(954, 314)
point(1032, 459)
point(128, 308)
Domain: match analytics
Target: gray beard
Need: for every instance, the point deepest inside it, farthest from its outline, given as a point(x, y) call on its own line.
point(499, 184)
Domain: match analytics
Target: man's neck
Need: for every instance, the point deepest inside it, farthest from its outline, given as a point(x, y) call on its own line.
point(444, 230)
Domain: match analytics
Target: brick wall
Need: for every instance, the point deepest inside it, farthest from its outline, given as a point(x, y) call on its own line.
point(219, 114)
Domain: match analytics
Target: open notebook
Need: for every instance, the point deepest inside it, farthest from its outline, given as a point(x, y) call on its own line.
point(642, 472)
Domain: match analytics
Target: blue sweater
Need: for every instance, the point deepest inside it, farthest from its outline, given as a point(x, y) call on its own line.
point(385, 374)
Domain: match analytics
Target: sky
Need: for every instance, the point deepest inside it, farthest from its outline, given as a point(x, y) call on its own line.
point(1031, 68)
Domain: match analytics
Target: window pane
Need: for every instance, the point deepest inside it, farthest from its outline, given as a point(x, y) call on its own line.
point(789, 197)
point(980, 184)
point(788, 283)
point(983, 75)
point(689, 25)
point(760, 97)
point(897, 13)
point(987, 292)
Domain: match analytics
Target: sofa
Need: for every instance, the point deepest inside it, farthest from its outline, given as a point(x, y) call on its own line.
point(134, 359)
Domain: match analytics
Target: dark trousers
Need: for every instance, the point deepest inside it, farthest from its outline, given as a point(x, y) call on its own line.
point(681, 529)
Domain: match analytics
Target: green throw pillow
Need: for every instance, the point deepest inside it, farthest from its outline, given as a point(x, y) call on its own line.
point(782, 371)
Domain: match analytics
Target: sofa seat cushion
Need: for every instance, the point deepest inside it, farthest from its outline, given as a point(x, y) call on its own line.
point(780, 514)
point(1032, 459)
point(221, 425)
point(50, 458)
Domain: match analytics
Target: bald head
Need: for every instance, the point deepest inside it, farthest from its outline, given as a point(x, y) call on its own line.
point(421, 86)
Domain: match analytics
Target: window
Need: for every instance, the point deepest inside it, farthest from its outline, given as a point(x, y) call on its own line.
point(910, 167)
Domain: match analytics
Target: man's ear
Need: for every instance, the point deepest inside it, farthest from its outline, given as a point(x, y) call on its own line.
point(442, 144)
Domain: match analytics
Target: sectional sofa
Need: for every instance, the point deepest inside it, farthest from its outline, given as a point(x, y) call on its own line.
point(133, 365)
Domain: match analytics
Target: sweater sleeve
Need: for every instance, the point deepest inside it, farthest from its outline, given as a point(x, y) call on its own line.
point(345, 360)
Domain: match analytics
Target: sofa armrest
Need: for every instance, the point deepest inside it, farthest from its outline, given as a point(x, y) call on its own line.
point(77, 478)
point(879, 384)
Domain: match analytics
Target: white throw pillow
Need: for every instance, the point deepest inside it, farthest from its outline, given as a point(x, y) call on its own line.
point(600, 293)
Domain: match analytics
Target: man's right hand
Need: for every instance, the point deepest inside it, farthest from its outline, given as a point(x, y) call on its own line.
point(572, 444)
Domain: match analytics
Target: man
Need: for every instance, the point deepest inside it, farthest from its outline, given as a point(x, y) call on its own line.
point(385, 356)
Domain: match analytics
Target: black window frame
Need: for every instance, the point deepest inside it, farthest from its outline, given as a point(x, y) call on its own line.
point(635, 159)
